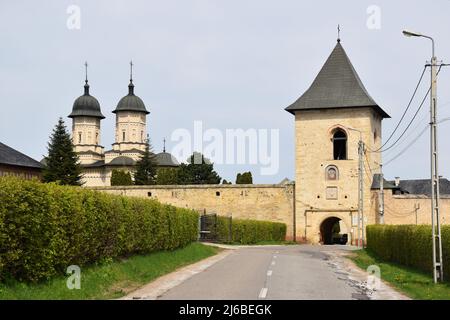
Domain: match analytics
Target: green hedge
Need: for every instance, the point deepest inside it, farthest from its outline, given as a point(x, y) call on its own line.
point(44, 228)
point(409, 245)
point(250, 231)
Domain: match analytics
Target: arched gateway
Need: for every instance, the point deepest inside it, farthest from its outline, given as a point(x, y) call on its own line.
point(333, 231)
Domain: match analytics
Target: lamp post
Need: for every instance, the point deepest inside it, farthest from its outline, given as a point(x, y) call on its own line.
point(435, 210)
point(360, 189)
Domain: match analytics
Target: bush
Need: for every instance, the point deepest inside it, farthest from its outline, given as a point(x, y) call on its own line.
point(409, 245)
point(44, 228)
point(249, 231)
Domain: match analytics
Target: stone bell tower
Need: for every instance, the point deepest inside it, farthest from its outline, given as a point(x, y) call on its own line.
point(86, 116)
point(131, 122)
point(330, 118)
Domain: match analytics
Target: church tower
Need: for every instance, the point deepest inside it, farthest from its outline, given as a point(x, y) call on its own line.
point(131, 122)
point(330, 119)
point(86, 116)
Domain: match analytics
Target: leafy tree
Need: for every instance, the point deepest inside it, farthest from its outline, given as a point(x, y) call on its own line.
point(224, 181)
point(61, 163)
point(244, 178)
point(121, 178)
point(199, 170)
point(146, 167)
point(167, 176)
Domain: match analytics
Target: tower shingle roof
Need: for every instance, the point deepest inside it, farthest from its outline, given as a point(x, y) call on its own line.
point(337, 85)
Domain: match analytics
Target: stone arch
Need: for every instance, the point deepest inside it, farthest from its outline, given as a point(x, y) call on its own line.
point(334, 128)
point(326, 224)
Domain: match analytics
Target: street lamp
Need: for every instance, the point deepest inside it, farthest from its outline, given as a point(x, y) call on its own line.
point(360, 187)
point(435, 209)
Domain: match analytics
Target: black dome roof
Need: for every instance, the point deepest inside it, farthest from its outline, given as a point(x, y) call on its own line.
point(131, 102)
point(166, 159)
point(86, 105)
point(122, 161)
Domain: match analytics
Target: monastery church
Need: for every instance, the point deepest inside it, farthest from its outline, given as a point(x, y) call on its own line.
point(130, 136)
point(334, 118)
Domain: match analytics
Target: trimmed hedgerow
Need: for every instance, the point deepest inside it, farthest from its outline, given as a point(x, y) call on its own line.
point(409, 245)
point(249, 231)
point(44, 228)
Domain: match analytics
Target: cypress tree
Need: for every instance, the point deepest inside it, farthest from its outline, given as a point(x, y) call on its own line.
point(61, 163)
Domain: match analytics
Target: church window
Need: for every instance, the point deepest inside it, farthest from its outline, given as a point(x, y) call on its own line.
point(339, 145)
point(332, 173)
point(79, 137)
point(123, 135)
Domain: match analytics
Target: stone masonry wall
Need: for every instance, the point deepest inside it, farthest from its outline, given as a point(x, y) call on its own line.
point(271, 202)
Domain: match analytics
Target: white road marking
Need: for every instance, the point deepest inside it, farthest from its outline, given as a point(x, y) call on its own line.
point(273, 263)
point(269, 273)
point(263, 293)
point(274, 257)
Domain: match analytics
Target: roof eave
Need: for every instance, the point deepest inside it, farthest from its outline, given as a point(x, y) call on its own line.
point(292, 109)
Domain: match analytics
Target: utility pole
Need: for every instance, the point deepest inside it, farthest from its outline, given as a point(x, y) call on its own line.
point(361, 191)
point(435, 209)
point(381, 195)
point(360, 188)
point(438, 273)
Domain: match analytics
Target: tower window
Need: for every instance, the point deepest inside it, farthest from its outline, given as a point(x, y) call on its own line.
point(339, 145)
point(123, 135)
point(79, 137)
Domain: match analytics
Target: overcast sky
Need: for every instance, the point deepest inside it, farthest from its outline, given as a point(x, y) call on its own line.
point(229, 63)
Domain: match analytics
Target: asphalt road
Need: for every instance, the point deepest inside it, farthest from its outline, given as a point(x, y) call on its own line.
point(276, 272)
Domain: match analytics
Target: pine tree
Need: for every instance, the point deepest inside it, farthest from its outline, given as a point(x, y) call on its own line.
point(146, 167)
point(61, 163)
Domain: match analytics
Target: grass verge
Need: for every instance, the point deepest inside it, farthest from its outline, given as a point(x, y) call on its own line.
point(110, 280)
point(413, 283)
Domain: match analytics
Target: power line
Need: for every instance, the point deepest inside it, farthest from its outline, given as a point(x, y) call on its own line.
point(413, 141)
point(419, 123)
point(406, 110)
point(412, 120)
point(408, 146)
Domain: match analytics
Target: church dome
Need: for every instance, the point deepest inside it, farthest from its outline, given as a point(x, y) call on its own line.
point(131, 102)
point(86, 106)
point(165, 159)
point(122, 161)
